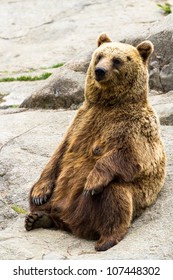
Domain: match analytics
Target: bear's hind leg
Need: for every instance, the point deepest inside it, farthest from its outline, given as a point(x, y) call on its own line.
point(44, 187)
point(106, 242)
point(114, 221)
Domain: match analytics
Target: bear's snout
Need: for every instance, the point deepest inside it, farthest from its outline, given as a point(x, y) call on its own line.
point(100, 73)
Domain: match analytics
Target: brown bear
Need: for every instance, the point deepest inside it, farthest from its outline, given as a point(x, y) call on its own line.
point(111, 163)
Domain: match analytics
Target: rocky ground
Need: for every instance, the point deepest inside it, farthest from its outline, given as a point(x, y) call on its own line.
point(34, 37)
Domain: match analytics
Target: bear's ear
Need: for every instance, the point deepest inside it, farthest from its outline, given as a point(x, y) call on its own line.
point(103, 38)
point(145, 49)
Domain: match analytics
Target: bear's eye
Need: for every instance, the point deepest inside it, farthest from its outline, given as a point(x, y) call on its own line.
point(116, 62)
point(100, 56)
point(129, 58)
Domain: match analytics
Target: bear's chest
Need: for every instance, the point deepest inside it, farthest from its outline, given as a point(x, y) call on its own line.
point(95, 135)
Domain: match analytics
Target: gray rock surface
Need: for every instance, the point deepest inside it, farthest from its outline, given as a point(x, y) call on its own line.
point(41, 33)
point(163, 104)
point(15, 93)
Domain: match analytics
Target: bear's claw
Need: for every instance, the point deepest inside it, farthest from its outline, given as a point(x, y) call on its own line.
point(37, 201)
point(92, 192)
point(86, 192)
point(40, 200)
point(89, 192)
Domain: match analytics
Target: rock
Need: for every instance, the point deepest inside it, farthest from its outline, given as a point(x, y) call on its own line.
point(14, 93)
point(63, 89)
point(81, 62)
point(166, 76)
point(154, 76)
point(163, 104)
point(27, 141)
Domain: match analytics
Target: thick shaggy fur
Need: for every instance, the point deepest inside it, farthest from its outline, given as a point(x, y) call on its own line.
point(111, 164)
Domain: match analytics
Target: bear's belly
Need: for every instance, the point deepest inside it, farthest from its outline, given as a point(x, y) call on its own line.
point(71, 181)
point(89, 141)
point(80, 158)
point(74, 172)
point(78, 161)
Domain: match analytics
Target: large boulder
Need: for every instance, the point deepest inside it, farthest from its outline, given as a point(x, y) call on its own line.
point(64, 88)
point(163, 104)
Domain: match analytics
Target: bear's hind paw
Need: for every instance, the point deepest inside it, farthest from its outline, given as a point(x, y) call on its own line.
point(37, 220)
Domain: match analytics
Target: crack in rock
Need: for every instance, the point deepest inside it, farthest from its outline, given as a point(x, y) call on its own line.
point(29, 29)
point(17, 136)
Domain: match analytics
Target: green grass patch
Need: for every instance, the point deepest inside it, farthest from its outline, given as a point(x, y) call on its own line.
point(13, 106)
point(57, 65)
point(8, 79)
point(44, 76)
point(166, 8)
point(30, 70)
point(53, 66)
point(18, 209)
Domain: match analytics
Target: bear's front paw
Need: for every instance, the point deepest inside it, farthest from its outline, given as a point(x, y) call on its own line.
point(97, 180)
point(41, 192)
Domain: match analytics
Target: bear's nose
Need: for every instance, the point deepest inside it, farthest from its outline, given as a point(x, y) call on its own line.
point(100, 73)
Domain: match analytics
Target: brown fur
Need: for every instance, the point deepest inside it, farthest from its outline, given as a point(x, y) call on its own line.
point(111, 164)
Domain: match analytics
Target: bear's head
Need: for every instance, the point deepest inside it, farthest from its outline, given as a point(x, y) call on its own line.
point(118, 72)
